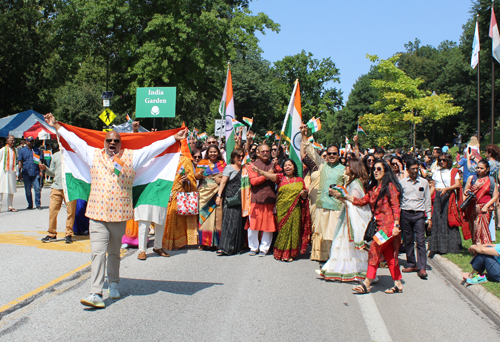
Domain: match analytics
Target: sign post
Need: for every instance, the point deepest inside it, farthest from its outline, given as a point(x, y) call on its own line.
point(155, 102)
point(219, 130)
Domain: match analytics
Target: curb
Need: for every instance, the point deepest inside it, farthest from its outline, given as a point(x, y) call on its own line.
point(487, 298)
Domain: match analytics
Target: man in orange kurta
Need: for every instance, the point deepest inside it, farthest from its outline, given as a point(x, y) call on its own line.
point(262, 205)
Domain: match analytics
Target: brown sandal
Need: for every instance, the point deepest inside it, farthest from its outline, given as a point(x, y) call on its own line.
point(394, 290)
point(361, 289)
point(161, 252)
point(14, 210)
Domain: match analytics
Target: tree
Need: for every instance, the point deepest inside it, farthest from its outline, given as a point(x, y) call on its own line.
point(402, 104)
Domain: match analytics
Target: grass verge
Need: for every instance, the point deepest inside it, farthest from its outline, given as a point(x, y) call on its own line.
point(463, 259)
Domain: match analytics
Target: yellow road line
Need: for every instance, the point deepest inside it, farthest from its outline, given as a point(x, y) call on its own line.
point(43, 287)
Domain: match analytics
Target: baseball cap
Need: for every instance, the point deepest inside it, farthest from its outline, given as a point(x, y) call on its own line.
point(30, 138)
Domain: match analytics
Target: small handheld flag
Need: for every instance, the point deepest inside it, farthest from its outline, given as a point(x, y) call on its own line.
point(311, 139)
point(118, 164)
point(380, 237)
point(269, 134)
point(237, 124)
point(360, 129)
point(202, 136)
point(276, 137)
point(195, 131)
point(248, 121)
point(340, 189)
point(129, 120)
point(314, 125)
point(182, 171)
point(36, 158)
point(317, 146)
point(346, 140)
point(247, 159)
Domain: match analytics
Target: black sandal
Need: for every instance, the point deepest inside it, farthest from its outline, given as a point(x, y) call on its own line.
point(394, 290)
point(362, 290)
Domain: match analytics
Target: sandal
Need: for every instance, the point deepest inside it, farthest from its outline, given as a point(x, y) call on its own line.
point(393, 290)
point(12, 209)
point(161, 252)
point(361, 289)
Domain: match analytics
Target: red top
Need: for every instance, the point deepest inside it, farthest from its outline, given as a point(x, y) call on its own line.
point(388, 209)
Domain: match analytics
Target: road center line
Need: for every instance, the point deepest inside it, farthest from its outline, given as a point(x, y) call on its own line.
point(42, 288)
point(373, 319)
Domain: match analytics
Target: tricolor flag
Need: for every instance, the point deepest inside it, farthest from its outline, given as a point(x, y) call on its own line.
point(247, 159)
point(152, 183)
point(291, 126)
point(346, 140)
point(195, 131)
point(269, 134)
point(314, 125)
point(237, 124)
point(380, 237)
point(311, 139)
point(129, 120)
point(340, 189)
point(277, 137)
point(248, 121)
point(226, 110)
point(36, 158)
point(317, 146)
point(182, 171)
point(495, 47)
point(118, 165)
point(475, 48)
point(202, 136)
point(360, 129)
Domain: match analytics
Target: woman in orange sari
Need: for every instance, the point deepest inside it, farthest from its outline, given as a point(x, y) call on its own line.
point(479, 211)
point(181, 230)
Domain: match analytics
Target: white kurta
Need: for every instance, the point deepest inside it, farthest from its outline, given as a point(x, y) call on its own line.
point(7, 177)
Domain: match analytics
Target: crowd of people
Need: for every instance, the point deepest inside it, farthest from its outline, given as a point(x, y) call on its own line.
point(255, 199)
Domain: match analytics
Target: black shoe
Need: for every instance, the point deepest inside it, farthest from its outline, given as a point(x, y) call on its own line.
point(30, 208)
point(39, 208)
point(69, 239)
point(49, 238)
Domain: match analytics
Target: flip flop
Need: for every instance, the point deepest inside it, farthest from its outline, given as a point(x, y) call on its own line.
point(361, 289)
point(394, 290)
point(13, 210)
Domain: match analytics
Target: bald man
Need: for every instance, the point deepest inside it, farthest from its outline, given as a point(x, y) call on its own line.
point(110, 202)
point(8, 158)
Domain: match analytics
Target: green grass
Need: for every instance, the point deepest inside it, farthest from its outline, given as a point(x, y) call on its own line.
point(463, 259)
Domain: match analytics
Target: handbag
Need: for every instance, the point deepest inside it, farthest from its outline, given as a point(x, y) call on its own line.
point(187, 203)
point(234, 200)
point(371, 228)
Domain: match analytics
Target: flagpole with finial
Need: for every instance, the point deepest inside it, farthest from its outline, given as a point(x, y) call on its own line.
point(492, 35)
point(478, 87)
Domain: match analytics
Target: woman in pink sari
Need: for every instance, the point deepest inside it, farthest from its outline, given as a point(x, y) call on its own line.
point(479, 211)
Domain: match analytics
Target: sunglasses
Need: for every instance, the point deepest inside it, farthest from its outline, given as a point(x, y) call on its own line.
point(239, 156)
point(196, 157)
point(371, 160)
point(274, 149)
point(379, 169)
point(212, 142)
point(332, 153)
point(441, 160)
point(116, 141)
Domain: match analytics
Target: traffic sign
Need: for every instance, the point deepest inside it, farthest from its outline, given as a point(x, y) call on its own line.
point(107, 116)
point(219, 128)
point(157, 102)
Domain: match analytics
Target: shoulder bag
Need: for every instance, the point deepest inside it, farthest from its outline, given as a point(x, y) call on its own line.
point(371, 228)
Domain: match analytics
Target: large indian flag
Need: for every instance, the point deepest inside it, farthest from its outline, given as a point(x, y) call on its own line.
point(291, 126)
point(153, 181)
point(226, 110)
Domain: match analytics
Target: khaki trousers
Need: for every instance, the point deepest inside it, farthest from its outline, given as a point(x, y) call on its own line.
point(56, 199)
point(105, 237)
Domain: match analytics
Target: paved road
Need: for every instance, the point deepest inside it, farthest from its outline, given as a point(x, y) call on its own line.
point(195, 295)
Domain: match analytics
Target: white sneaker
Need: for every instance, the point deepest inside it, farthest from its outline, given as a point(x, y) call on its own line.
point(262, 254)
point(93, 300)
point(113, 291)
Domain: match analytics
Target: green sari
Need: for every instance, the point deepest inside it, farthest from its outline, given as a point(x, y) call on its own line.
point(294, 224)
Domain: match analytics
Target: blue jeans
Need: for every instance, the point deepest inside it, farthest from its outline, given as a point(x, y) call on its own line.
point(32, 181)
point(482, 262)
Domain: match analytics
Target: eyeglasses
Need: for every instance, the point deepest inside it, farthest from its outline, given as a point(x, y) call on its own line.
point(274, 149)
point(239, 156)
point(332, 153)
point(379, 169)
point(442, 160)
point(264, 152)
point(212, 142)
point(196, 157)
point(371, 160)
point(116, 141)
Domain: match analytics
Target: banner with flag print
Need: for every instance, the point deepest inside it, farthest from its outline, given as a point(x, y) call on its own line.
point(291, 126)
point(248, 121)
point(226, 110)
point(475, 48)
point(152, 179)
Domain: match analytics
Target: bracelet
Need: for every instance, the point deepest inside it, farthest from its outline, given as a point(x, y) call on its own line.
point(217, 195)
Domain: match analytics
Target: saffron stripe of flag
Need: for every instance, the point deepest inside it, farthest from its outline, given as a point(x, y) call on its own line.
point(314, 125)
point(380, 237)
point(248, 121)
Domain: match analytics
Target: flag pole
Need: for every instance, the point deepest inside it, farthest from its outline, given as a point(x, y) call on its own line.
point(492, 99)
point(478, 95)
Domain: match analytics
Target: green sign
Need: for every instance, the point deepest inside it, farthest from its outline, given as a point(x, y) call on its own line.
point(157, 102)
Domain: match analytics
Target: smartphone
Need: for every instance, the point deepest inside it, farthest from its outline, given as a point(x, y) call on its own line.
point(331, 186)
point(469, 150)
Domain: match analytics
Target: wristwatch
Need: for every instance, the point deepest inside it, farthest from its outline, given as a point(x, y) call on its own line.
point(217, 195)
point(397, 225)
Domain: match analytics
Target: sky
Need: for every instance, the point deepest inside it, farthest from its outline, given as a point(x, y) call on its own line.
point(347, 30)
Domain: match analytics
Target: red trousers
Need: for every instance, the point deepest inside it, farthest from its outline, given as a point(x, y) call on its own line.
point(388, 252)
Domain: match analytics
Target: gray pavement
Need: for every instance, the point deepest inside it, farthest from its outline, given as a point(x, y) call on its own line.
point(195, 295)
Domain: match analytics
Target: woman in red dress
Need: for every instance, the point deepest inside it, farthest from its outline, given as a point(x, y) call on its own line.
point(383, 195)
